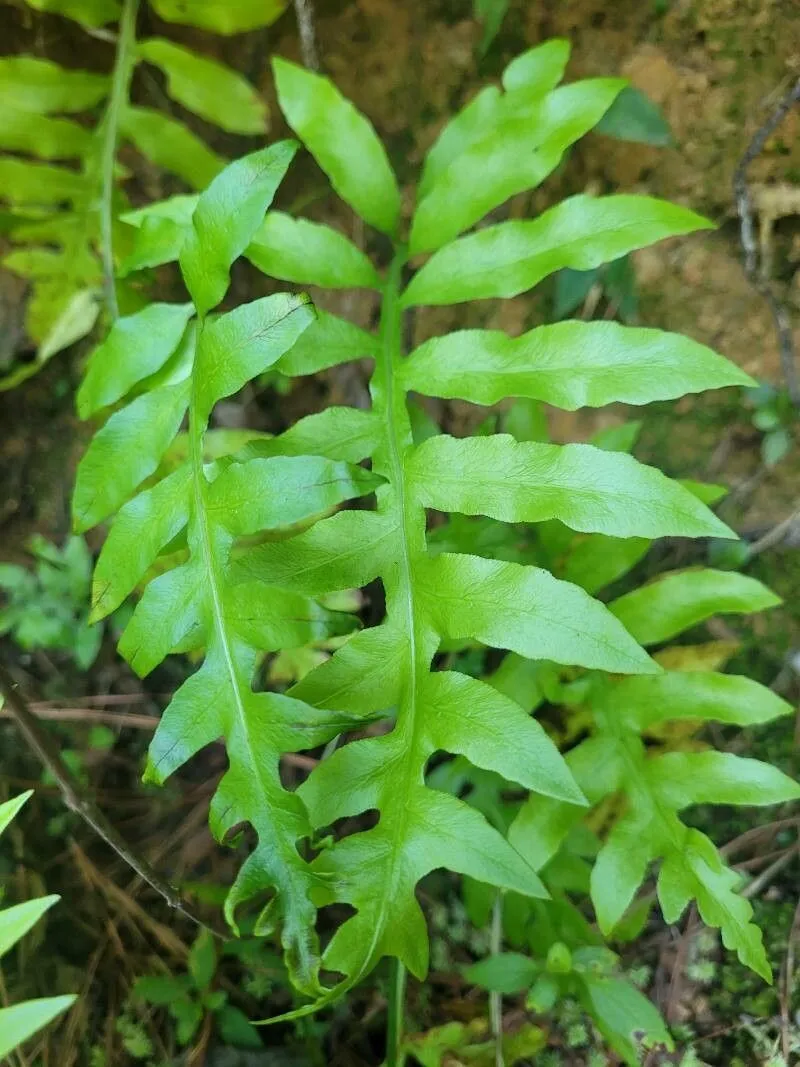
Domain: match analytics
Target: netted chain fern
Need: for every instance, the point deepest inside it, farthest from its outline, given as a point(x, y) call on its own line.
point(62, 209)
point(237, 603)
point(18, 1022)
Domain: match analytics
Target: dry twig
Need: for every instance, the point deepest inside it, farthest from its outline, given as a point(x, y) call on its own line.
point(744, 206)
point(126, 905)
point(41, 743)
point(752, 889)
point(305, 25)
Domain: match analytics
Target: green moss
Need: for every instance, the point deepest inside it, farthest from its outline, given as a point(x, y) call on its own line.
point(740, 994)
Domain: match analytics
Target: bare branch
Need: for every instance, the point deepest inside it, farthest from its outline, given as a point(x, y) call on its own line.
point(42, 744)
point(744, 206)
point(305, 25)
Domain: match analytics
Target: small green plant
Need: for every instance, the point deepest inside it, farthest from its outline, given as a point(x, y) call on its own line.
point(588, 974)
point(187, 998)
point(614, 283)
point(240, 551)
point(469, 1043)
point(774, 415)
point(49, 606)
point(491, 13)
point(21, 1021)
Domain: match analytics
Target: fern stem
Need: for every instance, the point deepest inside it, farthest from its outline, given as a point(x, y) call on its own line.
point(208, 550)
point(120, 83)
point(637, 786)
point(390, 403)
point(397, 995)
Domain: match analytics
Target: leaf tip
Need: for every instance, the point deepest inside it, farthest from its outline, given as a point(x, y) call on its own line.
point(280, 63)
point(721, 529)
point(747, 381)
point(576, 796)
point(648, 665)
point(151, 774)
point(79, 523)
point(701, 222)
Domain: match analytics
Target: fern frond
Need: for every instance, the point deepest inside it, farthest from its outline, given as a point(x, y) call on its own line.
point(64, 224)
point(457, 596)
point(656, 788)
point(441, 588)
point(200, 603)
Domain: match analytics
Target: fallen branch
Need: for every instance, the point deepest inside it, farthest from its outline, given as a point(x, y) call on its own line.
point(42, 744)
point(95, 715)
point(305, 25)
point(775, 535)
point(744, 206)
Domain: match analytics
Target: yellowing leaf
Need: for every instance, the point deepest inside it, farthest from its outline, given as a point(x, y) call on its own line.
point(75, 316)
point(710, 656)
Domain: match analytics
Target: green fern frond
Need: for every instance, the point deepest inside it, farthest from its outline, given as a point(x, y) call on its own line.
point(62, 208)
point(453, 596)
point(198, 604)
point(237, 601)
point(657, 787)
